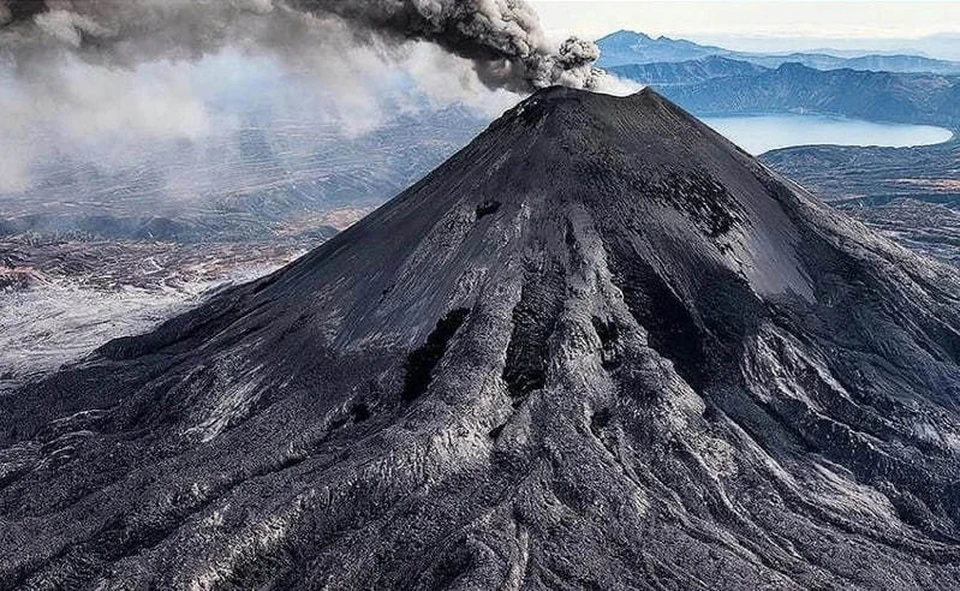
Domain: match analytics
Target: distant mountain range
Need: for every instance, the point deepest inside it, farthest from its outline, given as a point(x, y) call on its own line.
point(878, 96)
point(627, 47)
point(944, 46)
point(716, 85)
point(665, 74)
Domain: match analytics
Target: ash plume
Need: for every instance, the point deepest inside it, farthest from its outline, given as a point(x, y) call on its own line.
point(503, 39)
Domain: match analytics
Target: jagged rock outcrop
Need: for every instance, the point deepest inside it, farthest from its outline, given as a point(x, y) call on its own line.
point(600, 347)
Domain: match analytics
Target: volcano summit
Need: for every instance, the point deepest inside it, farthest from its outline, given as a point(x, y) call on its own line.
point(601, 347)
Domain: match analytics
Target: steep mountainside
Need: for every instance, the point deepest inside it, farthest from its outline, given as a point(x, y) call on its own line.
point(600, 347)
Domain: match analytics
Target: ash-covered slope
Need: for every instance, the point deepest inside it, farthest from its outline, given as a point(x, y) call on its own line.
point(598, 348)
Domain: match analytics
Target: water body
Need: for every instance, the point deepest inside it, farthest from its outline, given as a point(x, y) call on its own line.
point(760, 133)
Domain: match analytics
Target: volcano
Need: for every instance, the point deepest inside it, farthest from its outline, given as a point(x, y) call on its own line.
point(601, 347)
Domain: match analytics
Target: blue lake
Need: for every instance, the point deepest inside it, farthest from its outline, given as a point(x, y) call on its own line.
point(760, 133)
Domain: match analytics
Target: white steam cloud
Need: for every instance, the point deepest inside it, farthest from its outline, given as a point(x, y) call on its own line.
point(85, 71)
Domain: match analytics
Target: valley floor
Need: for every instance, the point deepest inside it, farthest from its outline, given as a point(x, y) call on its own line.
point(911, 195)
point(61, 298)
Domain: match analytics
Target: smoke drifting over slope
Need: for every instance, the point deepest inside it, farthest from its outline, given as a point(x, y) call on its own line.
point(502, 38)
point(79, 74)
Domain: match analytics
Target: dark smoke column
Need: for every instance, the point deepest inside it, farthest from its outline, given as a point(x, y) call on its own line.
point(503, 38)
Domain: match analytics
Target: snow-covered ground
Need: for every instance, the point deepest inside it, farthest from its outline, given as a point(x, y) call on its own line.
point(51, 317)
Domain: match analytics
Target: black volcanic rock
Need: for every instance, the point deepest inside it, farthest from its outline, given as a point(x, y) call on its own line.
point(653, 364)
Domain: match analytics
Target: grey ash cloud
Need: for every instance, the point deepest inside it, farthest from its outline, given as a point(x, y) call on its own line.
point(502, 38)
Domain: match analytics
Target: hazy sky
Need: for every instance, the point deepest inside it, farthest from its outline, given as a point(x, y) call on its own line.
point(844, 24)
